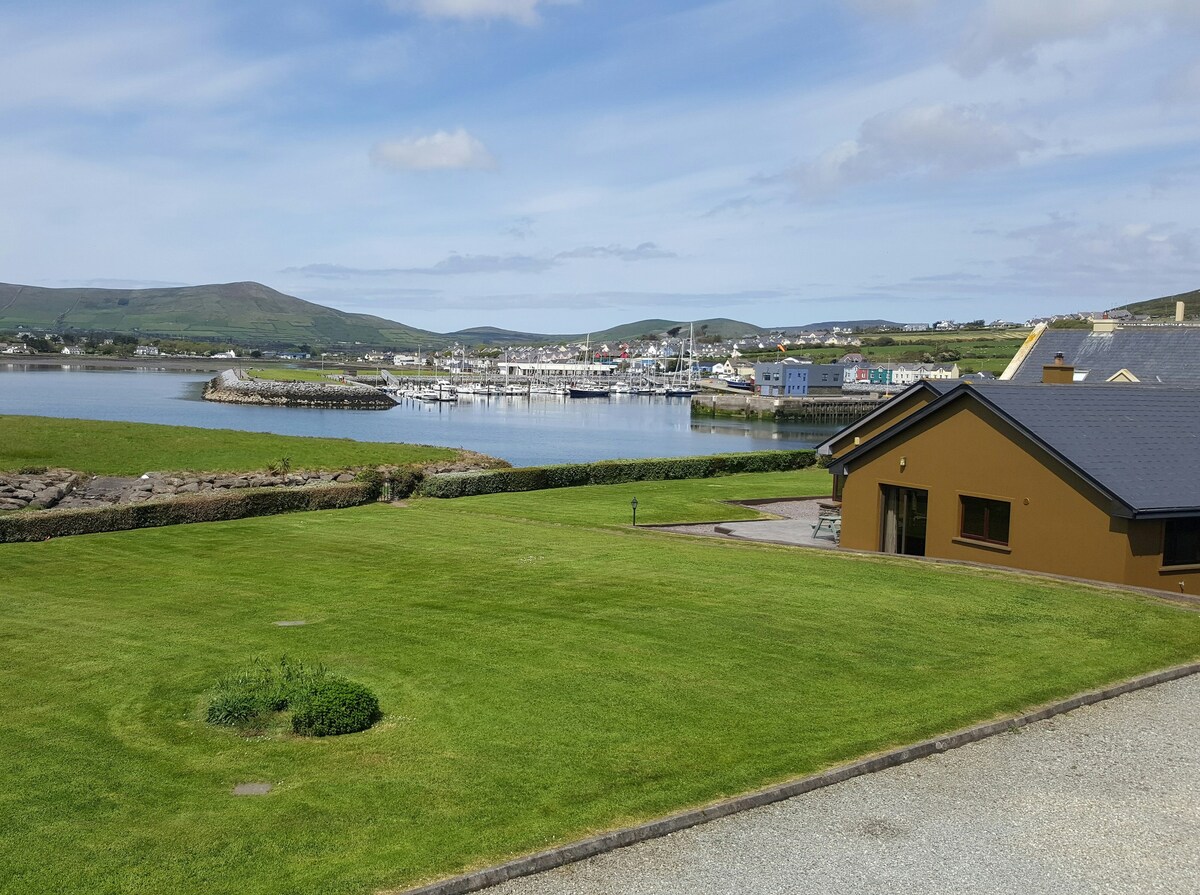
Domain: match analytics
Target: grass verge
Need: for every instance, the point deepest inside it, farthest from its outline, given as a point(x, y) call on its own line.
point(109, 448)
point(540, 677)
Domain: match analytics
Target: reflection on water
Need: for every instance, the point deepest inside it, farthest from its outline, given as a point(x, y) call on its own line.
point(808, 434)
point(524, 431)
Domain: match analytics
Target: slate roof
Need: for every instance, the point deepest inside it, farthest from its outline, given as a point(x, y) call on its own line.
point(937, 386)
point(1166, 355)
point(1140, 445)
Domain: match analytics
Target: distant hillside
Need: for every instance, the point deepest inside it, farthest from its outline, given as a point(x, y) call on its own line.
point(491, 335)
point(716, 326)
point(247, 313)
point(841, 324)
point(1165, 307)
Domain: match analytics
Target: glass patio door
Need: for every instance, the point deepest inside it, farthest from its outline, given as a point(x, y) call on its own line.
point(902, 528)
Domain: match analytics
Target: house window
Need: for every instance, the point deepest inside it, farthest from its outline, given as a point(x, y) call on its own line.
point(984, 520)
point(1181, 542)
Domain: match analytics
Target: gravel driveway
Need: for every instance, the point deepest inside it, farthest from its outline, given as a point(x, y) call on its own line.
point(1105, 799)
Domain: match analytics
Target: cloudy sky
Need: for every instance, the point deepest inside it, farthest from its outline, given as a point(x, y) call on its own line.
point(564, 165)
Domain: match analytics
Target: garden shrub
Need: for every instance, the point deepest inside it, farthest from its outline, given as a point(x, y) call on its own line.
point(335, 706)
point(253, 699)
point(611, 472)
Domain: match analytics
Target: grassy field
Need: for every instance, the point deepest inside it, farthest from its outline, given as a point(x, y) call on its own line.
point(288, 374)
point(545, 672)
point(981, 350)
point(107, 448)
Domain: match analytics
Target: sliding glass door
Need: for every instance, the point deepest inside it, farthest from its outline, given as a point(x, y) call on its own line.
point(902, 528)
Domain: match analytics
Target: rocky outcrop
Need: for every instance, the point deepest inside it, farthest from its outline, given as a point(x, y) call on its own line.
point(36, 490)
point(235, 387)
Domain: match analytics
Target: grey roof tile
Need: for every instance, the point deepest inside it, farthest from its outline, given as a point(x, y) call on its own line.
point(1166, 355)
point(1140, 443)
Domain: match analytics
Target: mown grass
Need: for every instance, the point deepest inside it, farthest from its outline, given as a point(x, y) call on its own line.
point(659, 503)
point(540, 678)
point(287, 374)
point(110, 448)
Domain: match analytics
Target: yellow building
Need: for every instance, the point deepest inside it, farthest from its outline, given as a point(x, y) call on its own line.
point(1091, 481)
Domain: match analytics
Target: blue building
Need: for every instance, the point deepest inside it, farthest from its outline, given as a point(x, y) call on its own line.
point(781, 380)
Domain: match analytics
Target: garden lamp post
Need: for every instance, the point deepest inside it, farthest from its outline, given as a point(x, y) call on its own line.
point(633, 503)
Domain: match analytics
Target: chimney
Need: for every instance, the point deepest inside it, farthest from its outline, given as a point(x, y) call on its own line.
point(1104, 326)
point(1058, 373)
point(1179, 312)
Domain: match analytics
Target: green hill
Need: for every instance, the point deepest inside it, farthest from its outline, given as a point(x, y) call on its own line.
point(717, 326)
point(246, 313)
point(1165, 307)
point(256, 315)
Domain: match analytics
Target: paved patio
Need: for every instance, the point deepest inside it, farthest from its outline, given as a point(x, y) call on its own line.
point(796, 528)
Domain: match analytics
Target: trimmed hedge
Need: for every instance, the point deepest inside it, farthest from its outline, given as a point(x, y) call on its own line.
point(210, 507)
point(611, 472)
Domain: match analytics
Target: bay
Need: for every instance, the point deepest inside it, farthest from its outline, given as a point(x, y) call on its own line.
point(524, 431)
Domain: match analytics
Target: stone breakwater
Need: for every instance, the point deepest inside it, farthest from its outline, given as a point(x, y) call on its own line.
point(235, 387)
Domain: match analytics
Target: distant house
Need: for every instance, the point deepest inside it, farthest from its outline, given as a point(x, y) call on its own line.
point(72, 350)
point(781, 380)
point(148, 351)
point(852, 358)
point(826, 379)
point(1091, 481)
point(226, 354)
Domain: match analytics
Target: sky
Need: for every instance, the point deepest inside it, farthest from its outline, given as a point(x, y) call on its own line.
point(569, 165)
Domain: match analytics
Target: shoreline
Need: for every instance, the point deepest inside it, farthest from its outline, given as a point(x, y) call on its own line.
point(164, 364)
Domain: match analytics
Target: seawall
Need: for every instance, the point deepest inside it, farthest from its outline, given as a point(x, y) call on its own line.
point(235, 387)
point(841, 409)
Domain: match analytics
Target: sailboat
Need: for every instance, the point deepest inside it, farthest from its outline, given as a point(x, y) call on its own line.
point(588, 389)
point(685, 389)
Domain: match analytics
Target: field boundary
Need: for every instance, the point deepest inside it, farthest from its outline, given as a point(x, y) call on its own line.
point(606, 842)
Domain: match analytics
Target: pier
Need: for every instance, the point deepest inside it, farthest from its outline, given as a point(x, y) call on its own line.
point(840, 410)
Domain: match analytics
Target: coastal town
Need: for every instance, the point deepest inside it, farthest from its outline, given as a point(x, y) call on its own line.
point(563, 447)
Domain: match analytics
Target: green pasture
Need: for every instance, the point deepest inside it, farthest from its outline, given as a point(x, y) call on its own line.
point(112, 448)
point(291, 374)
point(545, 671)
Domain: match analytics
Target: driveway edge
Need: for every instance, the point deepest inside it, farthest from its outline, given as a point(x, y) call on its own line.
point(606, 842)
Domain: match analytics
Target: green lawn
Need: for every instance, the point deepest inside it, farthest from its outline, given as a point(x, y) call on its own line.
point(108, 448)
point(288, 374)
point(541, 679)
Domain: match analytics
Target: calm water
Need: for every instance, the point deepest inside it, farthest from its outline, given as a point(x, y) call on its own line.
point(523, 431)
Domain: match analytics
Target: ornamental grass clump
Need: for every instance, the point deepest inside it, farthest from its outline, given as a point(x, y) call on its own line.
point(273, 697)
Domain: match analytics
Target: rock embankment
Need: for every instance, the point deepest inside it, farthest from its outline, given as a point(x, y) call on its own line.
point(36, 490)
point(101, 491)
point(235, 387)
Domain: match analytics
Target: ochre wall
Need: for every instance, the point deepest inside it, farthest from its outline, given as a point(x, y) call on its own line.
point(891, 413)
point(1058, 524)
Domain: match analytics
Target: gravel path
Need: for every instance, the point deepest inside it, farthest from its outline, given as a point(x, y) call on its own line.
point(1105, 799)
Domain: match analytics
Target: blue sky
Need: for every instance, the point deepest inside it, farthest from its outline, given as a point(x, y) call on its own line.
point(565, 165)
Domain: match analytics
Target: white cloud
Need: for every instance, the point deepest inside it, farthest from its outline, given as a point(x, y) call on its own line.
point(523, 11)
point(441, 150)
point(138, 66)
point(923, 141)
point(1137, 258)
point(1012, 31)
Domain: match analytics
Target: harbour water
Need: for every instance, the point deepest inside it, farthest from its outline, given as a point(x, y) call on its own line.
point(524, 431)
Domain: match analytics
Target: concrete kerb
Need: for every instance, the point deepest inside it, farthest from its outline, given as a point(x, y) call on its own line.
point(606, 842)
